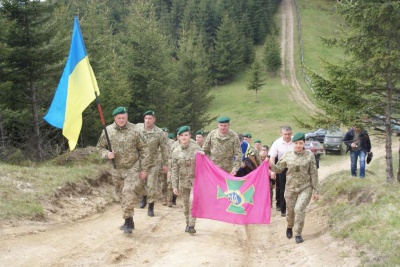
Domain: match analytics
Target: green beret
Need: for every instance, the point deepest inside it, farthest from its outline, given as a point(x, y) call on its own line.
point(299, 136)
point(149, 112)
point(183, 129)
point(248, 135)
point(119, 110)
point(165, 129)
point(171, 136)
point(223, 119)
point(258, 141)
point(200, 132)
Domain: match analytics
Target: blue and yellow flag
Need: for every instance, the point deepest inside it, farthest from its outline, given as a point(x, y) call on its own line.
point(75, 91)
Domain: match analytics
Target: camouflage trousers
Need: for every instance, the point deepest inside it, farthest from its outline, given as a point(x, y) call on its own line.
point(296, 203)
point(151, 184)
point(165, 186)
point(187, 200)
point(127, 184)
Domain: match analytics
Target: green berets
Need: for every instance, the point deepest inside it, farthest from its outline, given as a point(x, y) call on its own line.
point(223, 119)
point(299, 136)
point(201, 132)
point(165, 129)
point(171, 135)
point(149, 112)
point(120, 110)
point(258, 141)
point(247, 135)
point(183, 129)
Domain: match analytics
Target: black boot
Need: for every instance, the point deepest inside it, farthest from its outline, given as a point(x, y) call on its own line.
point(143, 203)
point(128, 226)
point(150, 211)
point(191, 230)
point(174, 199)
point(289, 233)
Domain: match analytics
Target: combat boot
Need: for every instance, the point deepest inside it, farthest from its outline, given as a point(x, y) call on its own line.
point(191, 230)
point(129, 225)
point(169, 202)
point(143, 203)
point(174, 199)
point(150, 211)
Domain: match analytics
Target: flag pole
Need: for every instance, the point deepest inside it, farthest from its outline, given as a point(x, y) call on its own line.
point(98, 105)
point(104, 125)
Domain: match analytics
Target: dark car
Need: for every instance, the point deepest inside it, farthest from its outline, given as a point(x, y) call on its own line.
point(316, 148)
point(317, 135)
point(334, 141)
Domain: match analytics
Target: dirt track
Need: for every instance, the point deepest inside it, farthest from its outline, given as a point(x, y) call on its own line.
point(161, 240)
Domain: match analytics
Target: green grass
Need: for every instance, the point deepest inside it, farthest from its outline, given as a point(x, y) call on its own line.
point(366, 211)
point(318, 19)
point(262, 119)
point(24, 188)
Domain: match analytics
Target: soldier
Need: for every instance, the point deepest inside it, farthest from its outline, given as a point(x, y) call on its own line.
point(247, 138)
point(183, 173)
point(302, 180)
point(257, 146)
point(131, 157)
point(156, 143)
point(200, 137)
point(165, 183)
point(222, 146)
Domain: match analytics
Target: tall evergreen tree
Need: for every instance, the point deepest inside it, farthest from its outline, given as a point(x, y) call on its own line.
point(272, 55)
point(255, 82)
point(227, 56)
point(27, 68)
point(193, 85)
point(149, 67)
point(367, 81)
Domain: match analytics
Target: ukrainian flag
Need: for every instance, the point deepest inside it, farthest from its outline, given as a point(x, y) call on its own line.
point(75, 91)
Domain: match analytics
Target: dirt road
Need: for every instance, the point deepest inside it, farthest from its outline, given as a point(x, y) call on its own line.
point(161, 240)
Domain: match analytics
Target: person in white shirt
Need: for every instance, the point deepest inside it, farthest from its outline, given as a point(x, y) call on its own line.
point(278, 149)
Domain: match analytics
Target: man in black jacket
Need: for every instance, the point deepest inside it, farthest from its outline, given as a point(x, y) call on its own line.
point(359, 144)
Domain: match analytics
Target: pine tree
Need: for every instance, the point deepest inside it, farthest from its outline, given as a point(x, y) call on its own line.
point(256, 82)
point(366, 83)
point(27, 67)
point(148, 65)
point(193, 84)
point(272, 55)
point(227, 56)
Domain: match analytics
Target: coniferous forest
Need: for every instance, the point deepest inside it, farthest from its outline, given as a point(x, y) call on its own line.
point(164, 55)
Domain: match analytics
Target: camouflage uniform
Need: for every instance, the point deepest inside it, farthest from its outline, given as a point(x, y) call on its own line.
point(302, 179)
point(165, 184)
point(224, 151)
point(131, 157)
point(183, 172)
point(156, 143)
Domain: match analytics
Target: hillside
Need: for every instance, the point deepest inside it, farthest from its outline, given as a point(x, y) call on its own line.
point(81, 224)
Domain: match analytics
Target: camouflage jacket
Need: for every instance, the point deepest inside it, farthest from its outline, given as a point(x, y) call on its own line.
point(169, 145)
point(302, 170)
point(128, 145)
point(156, 142)
point(183, 165)
point(174, 145)
point(224, 151)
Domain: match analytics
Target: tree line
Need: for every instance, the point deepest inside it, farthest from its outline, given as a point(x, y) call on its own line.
point(164, 55)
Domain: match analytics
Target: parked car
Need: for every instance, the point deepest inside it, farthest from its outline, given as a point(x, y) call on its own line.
point(316, 148)
point(334, 141)
point(378, 122)
point(317, 135)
